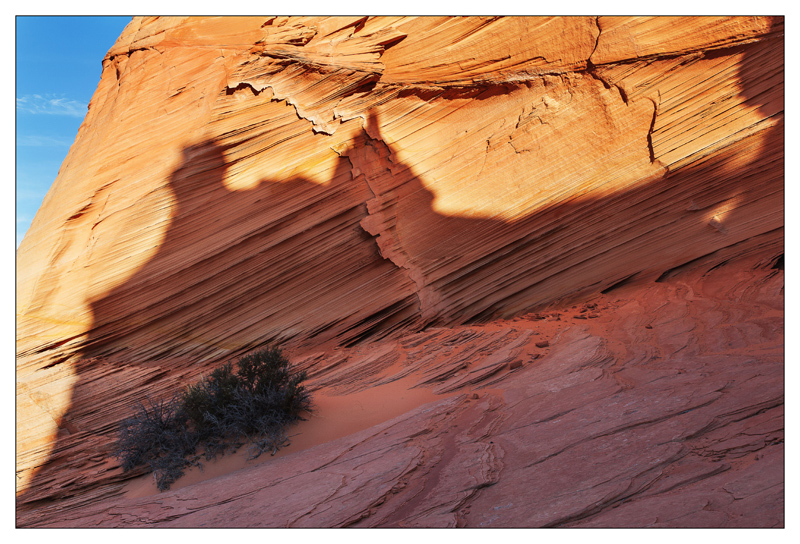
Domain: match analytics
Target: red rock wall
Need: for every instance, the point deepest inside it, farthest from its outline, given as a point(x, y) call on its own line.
point(313, 180)
point(654, 405)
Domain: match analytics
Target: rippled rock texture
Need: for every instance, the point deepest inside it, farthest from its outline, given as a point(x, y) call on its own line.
point(566, 232)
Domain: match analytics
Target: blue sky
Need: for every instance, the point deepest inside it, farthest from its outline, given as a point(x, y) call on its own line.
point(54, 86)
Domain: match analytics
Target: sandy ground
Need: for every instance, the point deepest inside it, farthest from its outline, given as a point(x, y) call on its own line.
point(334, 416)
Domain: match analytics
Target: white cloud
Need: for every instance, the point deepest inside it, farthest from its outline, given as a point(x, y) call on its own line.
point(41, 141)
point(51, 105)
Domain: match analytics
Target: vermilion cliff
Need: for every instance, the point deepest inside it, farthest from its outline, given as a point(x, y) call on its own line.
point(533, 266)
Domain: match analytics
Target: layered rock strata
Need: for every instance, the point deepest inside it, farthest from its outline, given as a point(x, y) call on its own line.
point(327, 182)
point(657, 405)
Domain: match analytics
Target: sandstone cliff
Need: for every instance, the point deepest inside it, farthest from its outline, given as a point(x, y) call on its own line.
point(404, 189)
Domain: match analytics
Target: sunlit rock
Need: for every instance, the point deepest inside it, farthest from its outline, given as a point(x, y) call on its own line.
point(422, 201)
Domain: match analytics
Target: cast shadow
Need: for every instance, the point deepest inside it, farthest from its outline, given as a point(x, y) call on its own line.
point(135, 326)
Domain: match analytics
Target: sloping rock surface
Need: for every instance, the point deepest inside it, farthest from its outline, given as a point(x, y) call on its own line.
point(651, 406)
point(391, 187)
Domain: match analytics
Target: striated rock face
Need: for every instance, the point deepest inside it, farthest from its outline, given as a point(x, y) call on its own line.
point(393, 200)
point(650, 406)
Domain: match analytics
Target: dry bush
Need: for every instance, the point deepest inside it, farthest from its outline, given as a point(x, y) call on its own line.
point(221, 412)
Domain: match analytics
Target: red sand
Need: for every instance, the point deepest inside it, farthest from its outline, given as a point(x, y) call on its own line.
point(333, 417)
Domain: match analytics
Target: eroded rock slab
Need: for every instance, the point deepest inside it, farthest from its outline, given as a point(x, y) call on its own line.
point(614, 424)
point(373, 194)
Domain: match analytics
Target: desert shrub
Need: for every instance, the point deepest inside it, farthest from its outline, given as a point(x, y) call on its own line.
point(159, 438)
point(266, 375)
point(222, 412)
point(206, 401)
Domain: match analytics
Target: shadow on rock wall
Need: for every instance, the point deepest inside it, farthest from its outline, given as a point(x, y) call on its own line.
point(264, 276)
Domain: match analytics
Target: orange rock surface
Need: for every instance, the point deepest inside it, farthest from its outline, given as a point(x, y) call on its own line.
point(398, 201)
